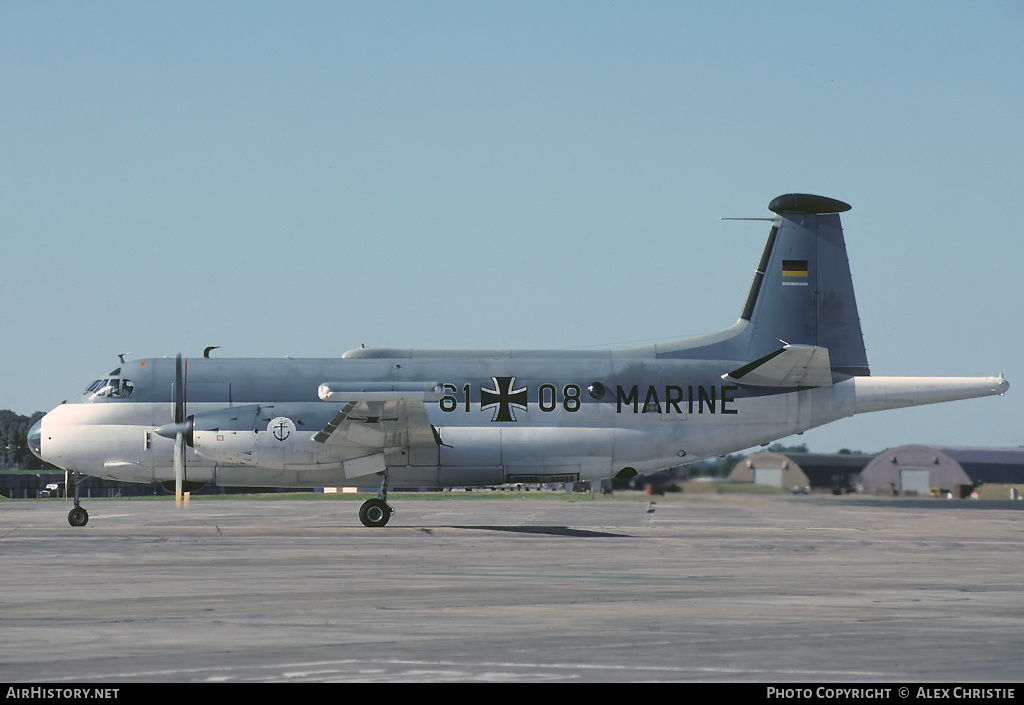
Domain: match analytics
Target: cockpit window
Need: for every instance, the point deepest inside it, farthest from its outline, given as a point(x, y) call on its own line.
point(111, 388)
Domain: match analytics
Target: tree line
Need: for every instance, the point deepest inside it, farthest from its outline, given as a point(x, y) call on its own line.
point(14, 452)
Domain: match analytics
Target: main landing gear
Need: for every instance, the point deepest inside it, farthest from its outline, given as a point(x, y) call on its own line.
point(377, 512)
point(78, 516)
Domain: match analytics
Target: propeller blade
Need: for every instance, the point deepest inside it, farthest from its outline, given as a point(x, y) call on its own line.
point(178, 429)
point(179, 467)
point(179, 392)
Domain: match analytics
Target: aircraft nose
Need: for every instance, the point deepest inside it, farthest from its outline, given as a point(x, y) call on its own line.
point(35, 439)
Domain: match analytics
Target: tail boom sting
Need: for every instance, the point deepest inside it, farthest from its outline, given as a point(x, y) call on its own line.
point(883, 393)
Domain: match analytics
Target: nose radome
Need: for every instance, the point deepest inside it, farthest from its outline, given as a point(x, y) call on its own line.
point(35, 439)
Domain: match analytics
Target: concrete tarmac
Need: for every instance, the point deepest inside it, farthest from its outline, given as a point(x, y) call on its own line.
point(715, 589)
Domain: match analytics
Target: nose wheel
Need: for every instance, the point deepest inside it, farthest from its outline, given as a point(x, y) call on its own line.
point(78, 517)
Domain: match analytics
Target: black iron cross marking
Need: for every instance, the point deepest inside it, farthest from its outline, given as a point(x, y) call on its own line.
point(502, 398)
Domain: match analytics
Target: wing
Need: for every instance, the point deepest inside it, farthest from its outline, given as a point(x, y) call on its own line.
point(383, 417)
point(790, 366)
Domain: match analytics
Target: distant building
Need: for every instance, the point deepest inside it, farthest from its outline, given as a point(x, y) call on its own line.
point(920, 469)
point(836, 472)
point(26, 485)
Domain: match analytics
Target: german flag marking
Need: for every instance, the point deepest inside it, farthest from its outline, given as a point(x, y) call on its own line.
point(794, 268)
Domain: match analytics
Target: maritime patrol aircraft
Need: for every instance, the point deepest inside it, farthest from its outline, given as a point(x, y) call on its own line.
point(794, 360)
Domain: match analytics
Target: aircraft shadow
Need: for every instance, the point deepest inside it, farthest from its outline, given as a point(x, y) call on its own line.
point(547, 530)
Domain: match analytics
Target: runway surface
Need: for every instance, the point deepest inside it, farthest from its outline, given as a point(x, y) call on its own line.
point(748, 589)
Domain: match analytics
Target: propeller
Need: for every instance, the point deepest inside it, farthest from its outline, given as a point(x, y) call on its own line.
point(177, 429)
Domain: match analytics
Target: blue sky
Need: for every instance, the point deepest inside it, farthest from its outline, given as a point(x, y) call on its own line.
point(302, 178)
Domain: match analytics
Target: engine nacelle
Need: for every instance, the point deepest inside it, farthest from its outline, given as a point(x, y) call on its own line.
point(228, 447)
point(280, 446)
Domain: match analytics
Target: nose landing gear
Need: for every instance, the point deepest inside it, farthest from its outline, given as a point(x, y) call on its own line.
point(78, 516)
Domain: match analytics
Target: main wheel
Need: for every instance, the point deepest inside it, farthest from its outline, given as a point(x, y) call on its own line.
point(374, 512)
point(78, 517)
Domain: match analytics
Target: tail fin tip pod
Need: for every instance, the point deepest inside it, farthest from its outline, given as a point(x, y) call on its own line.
point(806, 203)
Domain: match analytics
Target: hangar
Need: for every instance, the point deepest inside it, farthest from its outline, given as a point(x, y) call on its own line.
point(836, 472)
point(919, 469)
point(910, 469)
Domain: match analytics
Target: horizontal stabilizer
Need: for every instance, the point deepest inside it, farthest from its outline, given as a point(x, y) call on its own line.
point(789, 366)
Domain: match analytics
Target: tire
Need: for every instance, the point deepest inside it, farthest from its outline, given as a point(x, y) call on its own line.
point(78, 517)
point(374, 512)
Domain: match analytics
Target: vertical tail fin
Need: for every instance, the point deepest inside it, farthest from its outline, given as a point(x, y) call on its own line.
point(802, 291)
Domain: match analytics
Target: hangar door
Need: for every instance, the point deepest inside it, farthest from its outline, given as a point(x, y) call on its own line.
point(914, 480)
point(768, 476)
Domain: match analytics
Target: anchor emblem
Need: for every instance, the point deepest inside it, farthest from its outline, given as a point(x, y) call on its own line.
point(281, 428)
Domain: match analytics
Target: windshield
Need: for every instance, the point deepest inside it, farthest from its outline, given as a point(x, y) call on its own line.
point(114, 388)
